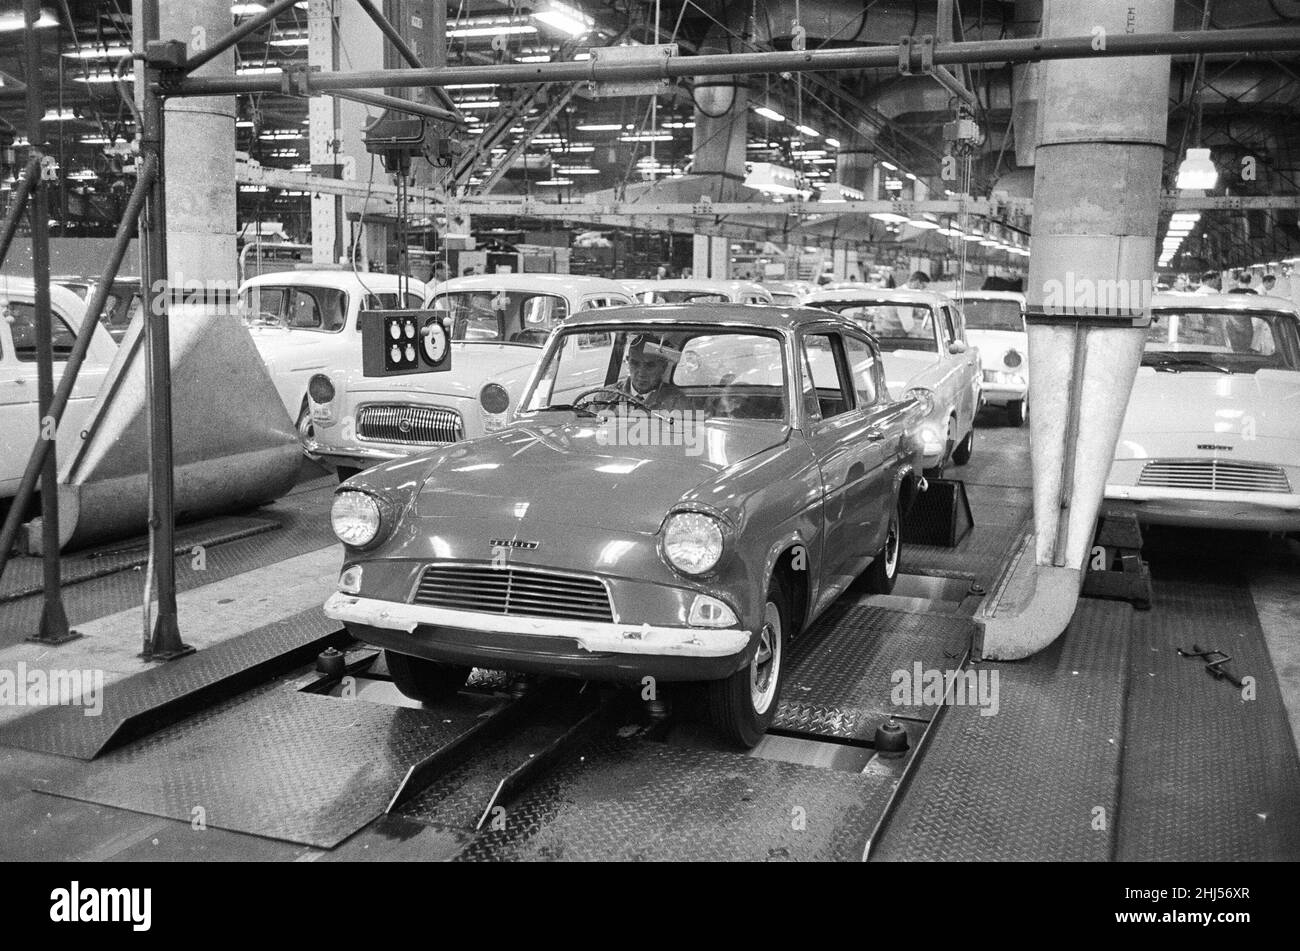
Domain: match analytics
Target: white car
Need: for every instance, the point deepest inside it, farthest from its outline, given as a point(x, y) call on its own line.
point(698, 291)
point(304, 322)
point(1212, 432)
point(923, 346)
point(995, 325)
point(19, 420)
point(789, 293)
point(499, 323)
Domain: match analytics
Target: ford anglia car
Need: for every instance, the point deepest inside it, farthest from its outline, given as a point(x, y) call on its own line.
point(699, 290)
point(922, 337)
point(995, 325)
point(1212, 433)
point(682, 490)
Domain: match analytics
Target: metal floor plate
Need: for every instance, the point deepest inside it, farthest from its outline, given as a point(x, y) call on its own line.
point(169, 690)
point(1038, 781)
point(842, 671)
point(287, 765)
point(1208, 776)
point(636, 800)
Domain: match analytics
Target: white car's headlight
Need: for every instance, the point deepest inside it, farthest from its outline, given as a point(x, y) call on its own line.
point(924, 397)
point(692, 542)
point(356, 518)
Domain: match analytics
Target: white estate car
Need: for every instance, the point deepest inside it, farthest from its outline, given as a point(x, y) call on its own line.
point(1212, 432)
point(304, 322)
point(499, 323)
point(19, 421)
point(995, 325)
point(923, 346)
point(698, 291)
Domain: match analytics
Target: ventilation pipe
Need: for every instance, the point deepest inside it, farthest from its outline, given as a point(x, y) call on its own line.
point(1096, 207)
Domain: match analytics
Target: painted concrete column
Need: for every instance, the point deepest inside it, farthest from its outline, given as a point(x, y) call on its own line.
point(1093, 248)
point(718, 143)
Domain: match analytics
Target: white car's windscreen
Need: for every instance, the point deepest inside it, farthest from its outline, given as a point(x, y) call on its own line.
point(717, 374)
point(21, 317)
point(682, 297)
point(301, 307)
point(489, 316)
point(1221, 341)
point(992, 314)
point(896, 326)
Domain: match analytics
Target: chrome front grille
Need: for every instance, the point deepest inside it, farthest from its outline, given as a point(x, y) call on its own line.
point(525, 592)
point(1214, 475)
point(406, 423)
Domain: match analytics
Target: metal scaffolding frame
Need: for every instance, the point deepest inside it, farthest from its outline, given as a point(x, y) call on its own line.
point(167, 75)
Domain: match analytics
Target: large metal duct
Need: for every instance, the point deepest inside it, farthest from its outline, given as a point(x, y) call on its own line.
point(1096, 208)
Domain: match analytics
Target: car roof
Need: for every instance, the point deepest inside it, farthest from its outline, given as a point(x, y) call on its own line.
point(1178, 299)
point(551, 283)
point(703, 284)
point(752, 315)
point(889, 295)
point(344, 279)
point(65, 300)
point(988, 295)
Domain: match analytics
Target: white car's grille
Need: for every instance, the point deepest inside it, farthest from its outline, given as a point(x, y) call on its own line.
point(1214, 475)
point(414, 425)
point(530, 592)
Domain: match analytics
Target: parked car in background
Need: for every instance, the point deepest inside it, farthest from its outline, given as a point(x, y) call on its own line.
point(19, 415)
point(1212, 432)
point(789, 293)
point(125, 300)
point(698, 291)
point(995, 325)
point(499, 323)
point(684, 535)
point(923, 343)
point(304, 322)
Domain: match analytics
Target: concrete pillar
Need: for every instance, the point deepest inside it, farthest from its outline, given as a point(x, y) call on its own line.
point(200, 158)
point(853, 166)
point(712, 257)
point(721, 128)
point(1026, 84)
point(327, 225)
point(361, 48)
point(1096, 207)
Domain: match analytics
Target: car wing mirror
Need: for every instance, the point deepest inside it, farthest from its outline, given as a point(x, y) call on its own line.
point(956, 347)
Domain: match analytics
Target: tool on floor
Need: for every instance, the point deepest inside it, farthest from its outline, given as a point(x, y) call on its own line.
point(1217, 667)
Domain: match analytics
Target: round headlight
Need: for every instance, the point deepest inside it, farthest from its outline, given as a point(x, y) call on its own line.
point(924, 397)
point(1011, 358)
point(692, 542)
point(355, 517)
point(494, 398)
point(320, 388)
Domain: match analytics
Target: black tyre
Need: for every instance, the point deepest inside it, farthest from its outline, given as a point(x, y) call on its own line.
point(883, 570)
point(961, 455)
point(743, 705)
point(1017, 412)
point(346, 472)
point(424, 680)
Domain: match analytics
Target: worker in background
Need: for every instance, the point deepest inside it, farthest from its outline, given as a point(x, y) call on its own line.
point(439, 272)
point(1241, 283)
point(1211, 283)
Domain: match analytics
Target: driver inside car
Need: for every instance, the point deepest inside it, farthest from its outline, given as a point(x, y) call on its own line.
point(649, 360)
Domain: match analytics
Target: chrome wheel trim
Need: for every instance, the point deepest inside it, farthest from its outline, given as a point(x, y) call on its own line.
point(765, 668)
point(892, 546)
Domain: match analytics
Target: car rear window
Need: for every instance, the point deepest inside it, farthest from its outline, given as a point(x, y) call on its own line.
point(895, 326)
point(992, 314)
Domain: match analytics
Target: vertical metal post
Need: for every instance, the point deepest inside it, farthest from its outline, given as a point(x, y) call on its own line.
point(53, 628)
point(165, 643)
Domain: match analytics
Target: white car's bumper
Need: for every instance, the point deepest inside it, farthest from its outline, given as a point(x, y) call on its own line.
point(1251, 511)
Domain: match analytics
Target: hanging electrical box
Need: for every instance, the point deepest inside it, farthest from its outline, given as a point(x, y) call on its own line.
point(398, 342)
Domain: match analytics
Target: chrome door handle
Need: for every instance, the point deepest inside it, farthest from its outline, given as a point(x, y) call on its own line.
point(875, 435)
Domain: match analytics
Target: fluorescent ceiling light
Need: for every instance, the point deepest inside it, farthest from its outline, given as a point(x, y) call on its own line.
point(569, 149)
point(290, 41)
point(808, 131)
point(1197, 172)
point(99, 52)
point(972, 236)
point(646, 137)
point(502, 30)
point(11, 21)
point(247, 9)
point(925, 223)
point(911, 176)
point(557, 181)
point(480, 104)
point(262, 70)
point(565, 19)
point(889, 165)
point(889, 216)
point(102, 77)
point(536, 58)
point(58, 115)
point(767, 113)
point(576, 170)
point(833, 143)
point(602, 127)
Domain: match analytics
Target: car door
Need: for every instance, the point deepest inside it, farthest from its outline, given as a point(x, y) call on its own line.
point(838, 433)
point(884, 435)
point(969, 373)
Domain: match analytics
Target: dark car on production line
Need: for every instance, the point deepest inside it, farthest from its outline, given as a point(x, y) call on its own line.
point(681, 490)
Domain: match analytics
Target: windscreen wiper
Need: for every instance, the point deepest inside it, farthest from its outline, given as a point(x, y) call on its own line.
point(1172, 364)
point(561, 408)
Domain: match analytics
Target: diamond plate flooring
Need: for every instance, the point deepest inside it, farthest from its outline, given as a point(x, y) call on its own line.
point(278, 763)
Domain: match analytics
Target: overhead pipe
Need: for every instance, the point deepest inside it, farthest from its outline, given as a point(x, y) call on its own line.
point(98, 299)
point(397, 104)
point(247, 28)
point(1025, 50)
point(408, 54)
point(1097, 177)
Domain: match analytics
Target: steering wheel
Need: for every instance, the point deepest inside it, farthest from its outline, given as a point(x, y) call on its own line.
point(621, 397)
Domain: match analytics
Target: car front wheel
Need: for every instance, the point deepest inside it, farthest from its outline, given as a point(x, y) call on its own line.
point(1017, 412)
point(743, 705)
point(883, 571)
point(961, 455)
point(424, 680)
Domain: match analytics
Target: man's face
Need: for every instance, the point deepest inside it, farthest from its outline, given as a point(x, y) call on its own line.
point(1269, 283)
point(646, 371)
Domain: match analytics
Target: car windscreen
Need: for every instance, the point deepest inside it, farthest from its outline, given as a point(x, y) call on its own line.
point(713, 372)
point(1210, 341)
point(500, 316)
point(896, 326)
point(985, 314)
point(682, 297)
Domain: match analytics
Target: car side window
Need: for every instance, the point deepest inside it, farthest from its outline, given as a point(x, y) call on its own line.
point(825, 360)
point(958, 324)
point(863, 369)
point(22, 326)
point(946, 330)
